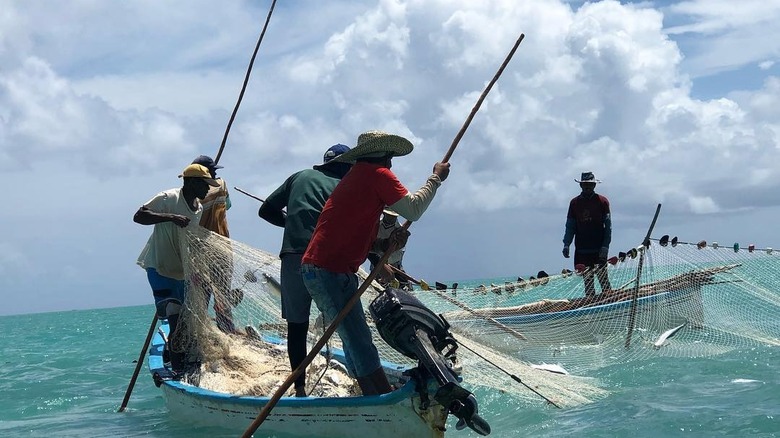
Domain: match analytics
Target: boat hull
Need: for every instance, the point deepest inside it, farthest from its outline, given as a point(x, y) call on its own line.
point(589, 325)
point(389, 415)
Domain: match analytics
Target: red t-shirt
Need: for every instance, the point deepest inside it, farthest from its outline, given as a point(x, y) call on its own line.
point(348, 223)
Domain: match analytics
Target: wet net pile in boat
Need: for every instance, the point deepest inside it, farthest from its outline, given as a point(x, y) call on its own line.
point(691, 301)
point(240, 346)
point(244, 281)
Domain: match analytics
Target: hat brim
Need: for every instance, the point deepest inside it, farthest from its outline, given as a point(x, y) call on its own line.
point(210, 181)
point(390, 143)
point(594, 181)
point(327, 165)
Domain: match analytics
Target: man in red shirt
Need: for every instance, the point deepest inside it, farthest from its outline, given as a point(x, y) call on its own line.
point(589, 224)
point(343, 237)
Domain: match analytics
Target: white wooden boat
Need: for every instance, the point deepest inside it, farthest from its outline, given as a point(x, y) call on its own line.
point(659, 306)
point(419, 408)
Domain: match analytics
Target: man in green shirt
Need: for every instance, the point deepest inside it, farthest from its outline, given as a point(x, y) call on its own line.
point(303, 194)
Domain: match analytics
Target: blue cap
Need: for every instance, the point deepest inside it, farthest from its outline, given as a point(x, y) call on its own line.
point(333, 152)
point(205, 160)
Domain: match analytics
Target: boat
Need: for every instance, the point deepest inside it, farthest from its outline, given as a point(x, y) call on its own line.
point(659, 306)
point(426, 394)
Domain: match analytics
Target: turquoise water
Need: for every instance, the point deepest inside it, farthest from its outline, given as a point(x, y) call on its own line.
point(64, 374)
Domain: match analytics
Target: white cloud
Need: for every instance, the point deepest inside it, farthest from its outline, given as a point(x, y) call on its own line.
point(726, 35)
point(122, 105)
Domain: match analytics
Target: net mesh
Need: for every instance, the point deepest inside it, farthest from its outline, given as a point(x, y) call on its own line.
point(241, 282)
point(692, 301)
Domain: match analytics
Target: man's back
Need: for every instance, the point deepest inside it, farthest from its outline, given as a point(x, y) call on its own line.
point(304, 194)
point(349, 221)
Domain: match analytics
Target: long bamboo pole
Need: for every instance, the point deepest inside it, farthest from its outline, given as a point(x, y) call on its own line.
point(138, 364)
point(371, 276)
point(246, 81)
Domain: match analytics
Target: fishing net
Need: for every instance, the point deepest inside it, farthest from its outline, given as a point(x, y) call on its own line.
point(240, 347)
point(692, 300)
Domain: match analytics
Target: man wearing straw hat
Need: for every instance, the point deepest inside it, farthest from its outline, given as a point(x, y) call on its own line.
point(170, 212)
point(344, 234)
point(303, 194)
point(589, 224)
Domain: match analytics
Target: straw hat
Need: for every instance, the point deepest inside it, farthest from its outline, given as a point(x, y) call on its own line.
point(587, 177)
point(377, 144)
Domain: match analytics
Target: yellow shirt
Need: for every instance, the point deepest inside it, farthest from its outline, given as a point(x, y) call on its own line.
point(215, 209)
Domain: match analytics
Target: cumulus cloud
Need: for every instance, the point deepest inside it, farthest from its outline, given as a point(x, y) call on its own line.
point(599, 86)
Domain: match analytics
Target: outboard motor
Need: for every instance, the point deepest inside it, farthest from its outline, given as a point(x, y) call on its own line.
point(414, 330)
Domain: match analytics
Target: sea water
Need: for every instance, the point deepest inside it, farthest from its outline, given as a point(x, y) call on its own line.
point(64, 374)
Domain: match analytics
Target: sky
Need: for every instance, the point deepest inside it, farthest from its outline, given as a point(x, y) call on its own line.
point(102, 104)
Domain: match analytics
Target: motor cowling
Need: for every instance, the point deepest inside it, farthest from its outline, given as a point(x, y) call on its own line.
point(412, 329)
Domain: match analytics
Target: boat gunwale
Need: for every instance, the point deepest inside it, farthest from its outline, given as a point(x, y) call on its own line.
point(583, 311)
point(405, 392)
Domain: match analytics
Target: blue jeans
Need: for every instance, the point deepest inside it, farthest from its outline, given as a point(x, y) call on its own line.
point(331, 291)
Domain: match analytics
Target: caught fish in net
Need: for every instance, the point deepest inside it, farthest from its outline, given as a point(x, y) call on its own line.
point(681, 300)
point(240, 348)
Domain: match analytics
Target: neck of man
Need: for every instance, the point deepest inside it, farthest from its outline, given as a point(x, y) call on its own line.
point(189, 196)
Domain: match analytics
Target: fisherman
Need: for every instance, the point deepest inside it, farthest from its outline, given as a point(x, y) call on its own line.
point(344, 234)
point(303, 194)
point(589, 224)
point(171, 212)
point(387, 224)
point(214, 218)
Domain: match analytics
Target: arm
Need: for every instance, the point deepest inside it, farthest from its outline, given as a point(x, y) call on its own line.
point(144, 216)
point(413, 206)
point(607, 224)
point(274, 216)
point(272, 210)
point(571, 224)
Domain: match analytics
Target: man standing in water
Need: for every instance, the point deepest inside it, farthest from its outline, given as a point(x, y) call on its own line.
point(303, 194)
point(589, 224)
point(170, 212)
point(345, 232)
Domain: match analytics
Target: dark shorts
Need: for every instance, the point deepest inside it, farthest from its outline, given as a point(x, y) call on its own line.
point(587, 259)
point(165, 290)
point(296, 301)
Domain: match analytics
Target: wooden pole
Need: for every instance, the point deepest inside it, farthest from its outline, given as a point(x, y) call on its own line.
point(371, 276)
point(632, 315)
point(246, 81)
point(138, 364)
point(249, 194)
